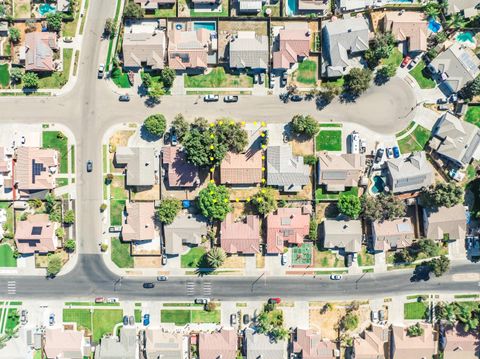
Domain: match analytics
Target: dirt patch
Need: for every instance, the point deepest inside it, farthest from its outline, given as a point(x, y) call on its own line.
point(22, 9)
point(238, 209)
point(326, 210)
point(302, 148)
point(147, 262)
point(120, 138)
point(260, 260)
point(376, 18)
point(242, 194)
point(304, 194)
point(234, 262)
point(151, 194)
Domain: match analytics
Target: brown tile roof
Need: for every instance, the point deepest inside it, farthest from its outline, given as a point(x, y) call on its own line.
point(180, 173)
point(188, 49)
point(242, 168)
point(144, 48)
point(372, 344)
point(35, 168)
point(461, 345)
point(443, 220)
point(36, 235)
point(409, 25)
point(60, 343)
point(293, 44)
point(398, 233)
point(340, 171)
point(240, 236)
point(39, 51)
point(139, 222)
point(286, 225)
point(405, 347)
point(222, 344)
point(309, 345)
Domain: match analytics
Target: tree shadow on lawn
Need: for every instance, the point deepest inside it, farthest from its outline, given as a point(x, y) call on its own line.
point(147, 136)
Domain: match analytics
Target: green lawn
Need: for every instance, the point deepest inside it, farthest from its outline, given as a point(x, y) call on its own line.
point(223, 12)
point(307, 72)
point(406, 129)
point(120, 78)
point(4, 75)
point(121, 254)
point(415, 310)
point(138, 315)
point(82, 24)
point(57, 79)
point(302, 255)
point(322, 195)
point(6, 256)
point(416, 141)
point(72, 157)
point(365, 259)
point(473, 115)
point(117, 188)
point(62, 182)
point(192, 258)
point(13, 319)
point(329, 140)
point(103, 320)
point(420, 74)
point(218, 78)
point(116, 210)
point(58, 141)
point(185, 316)
point(8, 226)
point(166, 12)
point(328, 259)
point(394, 59)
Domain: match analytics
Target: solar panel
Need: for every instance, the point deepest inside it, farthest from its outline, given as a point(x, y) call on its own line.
point(36, 231)
point(467, 61)
point(37, 169)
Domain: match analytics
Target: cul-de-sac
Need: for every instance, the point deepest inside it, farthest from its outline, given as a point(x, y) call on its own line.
point(239, 179)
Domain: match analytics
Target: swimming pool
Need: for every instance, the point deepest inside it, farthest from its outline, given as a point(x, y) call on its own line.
point(465, 37)
point(46, 8)
point(378, 185)
point(433, 25)
point(208, 25)
point(291, 8)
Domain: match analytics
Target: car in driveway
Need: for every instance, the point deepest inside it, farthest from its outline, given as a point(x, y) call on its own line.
point(131, 320)
point(173, 137)
point(51, 319)
point(374, 316)
point(201, 300)
point(148, 285)
point(23, 316)
point(335, 276)
point(67, 39)
point(162, 278)
point(230, 98)
point(443, 107)
point(381, 315)
point(124, 98)
point(283, 79)
point(379, 155)
point(246, 319)
point(101, 71)
point(125, 320)
point(389, 152)
point(396, 152)
point(442, 101)
point(89, 166)
point(233, 319)
point(146, 319)
point(406, 61)
point(296, 98)
point(274, 301)
point(164, 260)
point(210, 98)
point(272, 80)
point(283, 260)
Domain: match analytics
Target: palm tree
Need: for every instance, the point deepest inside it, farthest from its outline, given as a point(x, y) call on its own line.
point(431, 9)
point(467, 318)
point(457, 21)
point(215, 257)
point(446, 311)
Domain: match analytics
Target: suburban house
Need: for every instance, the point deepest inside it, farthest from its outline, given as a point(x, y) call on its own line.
point(242, 168)
point(39, 48)
point(63, 343)
point(35, 171)
point(247, 50)
point(320, 7)
point(139, 222)
point(286, 226)
point(260, 346)
point(342, 233)
point(63, 6)
point(456, 66)
point(291, 45)
point(185, 230)
point(409, 28)
point(403, 346)
point(456, 140)
point(393, 235)
point(337, 172)
point(151, 5)
point(162, 344)
point(188, 50)
point(343, 43)
point(144, 46)
point(126, 346)
point(220, 344)
point(372, 343)
point(459, 344)
point(308, 344)
point(141, 163)
point(445, 223)
point(285, 170)
point(410, 173)
point(36, 235)
point(249, 6)
point(179, 172)
point(468, 8)
point(240, 236)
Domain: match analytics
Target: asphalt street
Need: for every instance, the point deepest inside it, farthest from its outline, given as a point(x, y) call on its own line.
point(91, 107)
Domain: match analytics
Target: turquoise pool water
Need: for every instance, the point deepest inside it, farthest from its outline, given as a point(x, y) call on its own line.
point(378, 184)
point(291, 7)
point(465, 37)
point(46, 8)
point(433, 25)
point(211, 26)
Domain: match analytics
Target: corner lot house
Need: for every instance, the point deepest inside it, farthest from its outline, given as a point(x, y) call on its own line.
point(372, 343)
point(409, 27)
point(179, 172)
point(456, 140)
point(36, 235)
point(61, 343)
point(343, 234)
point(286, 226)
point(404, 347)
point(343, 43)
point(247, 50)
point(141, 163)
point(144, 46)
point(308, 344)
point(337, 172)
point(456, 66)
point(242, 168)
point(260, 346)
point(221, 344)
point(461, 345)
point(188, 50)
point(291, 45)
point(151, 5)
point(409, 174)
point(469, 8)
point(285, 170)
point(162, 344)
point(445, 223)
point(185, 230)
point(393, 235)
point(39, 48)
point(124, 347)
point(139, 222)
point(240, 236)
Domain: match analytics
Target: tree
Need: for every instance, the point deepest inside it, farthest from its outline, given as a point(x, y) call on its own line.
point(69, 217)
point(386, 72)
point(168, 210)
point(231, 134)
point(466, 317)
point(70, 245)
point(155, 91)
point(382, 207)
point(54, 264)
point(349, 321)
point(382, 47)
point(310, 160)
point(313, 230)
point(147, 80)
point(215, 257)
point(30, 80)
point(428, 247)
point(264, 201)
point(439, 266)
point(349, 205)
point(167, 76)
point(54, 21)
point(16, 75)
point(181, 126)
point(104, 247)
point(103, 207)
point(415, 330)
point(442, 195)
point(305, 125)
point(109, 28)
point(358, 81)
point(155, 124)
point(371, 209)
point(35, 203)
point(457, 21)
point(60, 232)
point(203, 147)
point(14, 34)
point(471, 89)
point(133, 10)
point(431, 9)
point(446, 311)
point(214, 202)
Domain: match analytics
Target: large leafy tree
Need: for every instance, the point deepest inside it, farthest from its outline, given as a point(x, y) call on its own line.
point(16, 75)
point(457, 21)
point(381, 48)
point(467, 317)
point(168, 210)
point(54, 21)
point(231, 134)
point(264, 201)
point(155, 124)
point(14, 34)
point(214, 202)
point(382, 207)
point(471, 89)
point(54, 264)
point(432, 9)
point(415, 330)
point(133, 10)
point(442, 195)
point(358, 81)
point(349, 205)
point(30, 80)
point(439, 266)
point(167, 76)
point(305, 125)
point(216, 257)
point(69, 217)
point(181, 126)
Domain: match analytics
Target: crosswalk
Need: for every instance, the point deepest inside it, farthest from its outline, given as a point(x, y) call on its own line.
point(207, 288)
point(191, 288)
point(11, 287)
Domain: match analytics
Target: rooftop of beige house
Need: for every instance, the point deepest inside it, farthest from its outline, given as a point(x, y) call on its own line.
point(35, 168)
point(444, 222)
point(289, 225)
point(163, 344)
point(408, 25)
point(39, 48)
point(242, 168)
point(461, 344)
point(186, 229)
point(406, 347)
point(240, 235)
point(398, 233)
point(60, 343)
point(143, 48)
point(337, 172)
point(310, 345)
point(36, 235)
point(139, 222)
point(372, 343)
point(221, 344)
point(180, 173)
point(188, 49)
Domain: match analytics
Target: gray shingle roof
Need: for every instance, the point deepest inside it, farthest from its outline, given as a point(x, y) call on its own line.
point(123, 348)
point(260, 346)
point(443, 220)
point(286, 170)
point(185, 229)
point(343, 233)
point(409, 174)
point(141, 164)
point(249, 51)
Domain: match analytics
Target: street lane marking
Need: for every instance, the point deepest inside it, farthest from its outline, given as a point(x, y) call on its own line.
point(12, 287)
point(207, 288)
point(190, 288)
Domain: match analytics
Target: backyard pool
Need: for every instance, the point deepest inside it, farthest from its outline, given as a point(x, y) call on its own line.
point(208, 25)
point(466, 38)
point(378, 184)
point(433, 25)
point(46, 8)
point(291, 8)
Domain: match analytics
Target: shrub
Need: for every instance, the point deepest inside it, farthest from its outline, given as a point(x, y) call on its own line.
point(155, 124)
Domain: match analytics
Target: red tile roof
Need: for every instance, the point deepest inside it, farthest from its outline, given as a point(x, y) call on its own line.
point(286, 225)
point(242, 168)
point(292, 45)
point(36, 234)
point(310, 345)
point(188, 49)
point(216, 345)
point(180, 172)
point(240, 236)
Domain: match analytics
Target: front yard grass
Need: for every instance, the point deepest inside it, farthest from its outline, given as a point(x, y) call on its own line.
point(421, 75)
point(416, 141)
point(116, 210)
point(322, 195)
point(6, 256)
point(138, 315)
point(185, 316)
point(117, 188)
point(328, 259)
point(62, 182)
point(218, 78)
point(57, 79)
point(394, 59)
point(4, 75)
point(120, 78)
point(329, 140)
point(307, 72)
point(9, 209)
point(57, 140)
point(121, 254)
point(473, 115)
point(415, 310)
point(364, 258)
point(193, 257)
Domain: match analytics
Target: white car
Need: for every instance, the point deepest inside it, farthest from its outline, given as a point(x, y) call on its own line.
point(210, 98)
point(355, 142)
point(113, 300)
point(389, 152)
point(335, 276)
point(101, 70)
